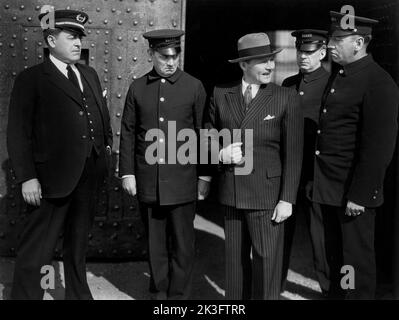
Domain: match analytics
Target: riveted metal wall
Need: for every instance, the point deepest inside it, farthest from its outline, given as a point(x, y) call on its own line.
point(114, 46)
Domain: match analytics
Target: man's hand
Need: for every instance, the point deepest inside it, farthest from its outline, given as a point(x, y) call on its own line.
point(232, 154)
point(203, 189)
point(353, 210)
point(129, 185)
point(282, 211)
point(32, 192)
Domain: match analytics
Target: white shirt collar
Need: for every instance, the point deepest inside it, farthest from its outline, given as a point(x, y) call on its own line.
point(62, 66)
point(254, 87)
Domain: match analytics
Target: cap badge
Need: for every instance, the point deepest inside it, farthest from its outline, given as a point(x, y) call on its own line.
point(80, 18)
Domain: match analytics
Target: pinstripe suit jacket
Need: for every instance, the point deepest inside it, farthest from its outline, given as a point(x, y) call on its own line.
point(276, 119)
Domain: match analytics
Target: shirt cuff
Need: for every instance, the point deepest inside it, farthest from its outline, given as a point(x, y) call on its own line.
point(127, 176)
point(205, 178)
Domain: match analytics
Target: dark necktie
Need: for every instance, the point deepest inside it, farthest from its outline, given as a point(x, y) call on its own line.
point(72, 77)
point(248, 95)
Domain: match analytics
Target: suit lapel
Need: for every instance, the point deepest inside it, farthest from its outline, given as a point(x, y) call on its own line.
point(258, 104)
point(92, 83)
point(234, 99)
point(59, 80)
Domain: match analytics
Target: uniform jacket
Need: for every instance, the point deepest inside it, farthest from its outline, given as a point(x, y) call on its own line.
point(47, 131)
point(276, 119)
point(310, 88)
point(358, 127)
point(151, 103)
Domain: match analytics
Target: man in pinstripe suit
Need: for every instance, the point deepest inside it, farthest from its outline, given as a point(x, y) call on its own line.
point(255, 205)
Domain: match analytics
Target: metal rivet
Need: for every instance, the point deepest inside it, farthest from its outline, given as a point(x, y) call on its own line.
point(25, 58)
point(134, 58)
point(6, 6)
point(119, 38)
point(174, 23)
point(98, 31)
point(105, 80)
point(135, 39)
point(92, 45)
point(39, 43)
point(134, 77)
point(105, 61)
point(116, 170)
point(113, 9)
point(14, 36)
point(89, 31)
point(149, 60)
point(119, 96)
point(105, 70)
point(22, 7)
point(107, 32)
point(151, 23)
point(90, 236)
point(128, 10)
point(98, 9)
point(175, 1)
point(25, 39)
point(26, 48)
point(106, 42)
point(37, 8)
point(119, 58)
point(118, 133)
point(12, 45)
point(14, 55)
point(115, 224)
point(117, 151)
point(135, 22)
point(90, 21)
point(14, 18)
point(29, 19)
point(105, 21)
point(118, 114)
point(120, 22)
point(119, 77)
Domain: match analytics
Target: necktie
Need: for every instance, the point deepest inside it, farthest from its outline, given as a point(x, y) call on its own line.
point(248, 95)
point(72, 77)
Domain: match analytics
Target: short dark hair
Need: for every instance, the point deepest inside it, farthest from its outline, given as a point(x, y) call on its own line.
point(50, 32)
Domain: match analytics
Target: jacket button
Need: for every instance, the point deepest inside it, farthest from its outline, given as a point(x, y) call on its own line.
point(324, 110)
point(81, 113)
point(374, 197)
point(318, 131)
point(162, 99)
point(161, 160)
point(341, 71)
point(332, 90)
point(161, 119)
point(163, 80)
point(84, 137)
point(376, 191)
point(317, 152)
point(301, 93)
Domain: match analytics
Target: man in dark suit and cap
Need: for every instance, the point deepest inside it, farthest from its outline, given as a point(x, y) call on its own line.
point(311, 49)
point(255, 204)
point(59, 139)
point(165, 100)
point(354, 145)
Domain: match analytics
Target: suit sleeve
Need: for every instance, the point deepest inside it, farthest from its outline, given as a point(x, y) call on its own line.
point(20, 127)
point(377, 142)
point(292, 149)
point(128, 136)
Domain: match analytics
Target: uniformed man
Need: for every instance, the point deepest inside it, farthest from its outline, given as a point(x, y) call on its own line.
point(311, 49)
point(167, 190)
point(354, 145)
point(58, 140)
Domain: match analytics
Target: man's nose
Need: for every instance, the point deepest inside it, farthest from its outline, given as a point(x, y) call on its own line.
point(330, 44)
point(78, 42)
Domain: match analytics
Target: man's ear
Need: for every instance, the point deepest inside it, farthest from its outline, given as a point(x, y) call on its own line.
point(359, 43)
point(243, 65)
point(150, 52)
point(51, 39)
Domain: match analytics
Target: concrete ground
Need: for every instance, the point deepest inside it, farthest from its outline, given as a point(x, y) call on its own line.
point(129, 280)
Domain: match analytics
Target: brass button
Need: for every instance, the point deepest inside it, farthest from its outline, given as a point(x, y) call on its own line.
point(162, 99)
point(163, 80)
point(301, 93)
point(317, 152)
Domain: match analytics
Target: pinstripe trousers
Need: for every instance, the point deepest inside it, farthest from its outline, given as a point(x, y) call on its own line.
point(259, 278)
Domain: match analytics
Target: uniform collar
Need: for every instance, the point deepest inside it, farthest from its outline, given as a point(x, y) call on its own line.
point(153, 75)
point(357, 65)
point(314, 75)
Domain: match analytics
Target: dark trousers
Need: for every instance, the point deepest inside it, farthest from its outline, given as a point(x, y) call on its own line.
point(314, 220)
point(259, 279)
point(350, 241)
point(170, 232)
point(71, 216)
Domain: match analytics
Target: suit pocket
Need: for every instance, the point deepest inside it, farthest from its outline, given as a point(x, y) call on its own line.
point(274, 172)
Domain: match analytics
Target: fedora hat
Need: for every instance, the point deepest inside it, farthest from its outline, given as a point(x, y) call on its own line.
point(254, 45)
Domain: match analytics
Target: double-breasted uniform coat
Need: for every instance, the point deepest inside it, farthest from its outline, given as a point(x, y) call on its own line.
point(166, 186)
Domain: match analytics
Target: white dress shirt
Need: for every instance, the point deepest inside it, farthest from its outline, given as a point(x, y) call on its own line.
point(254, 88)
point(62, 66)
